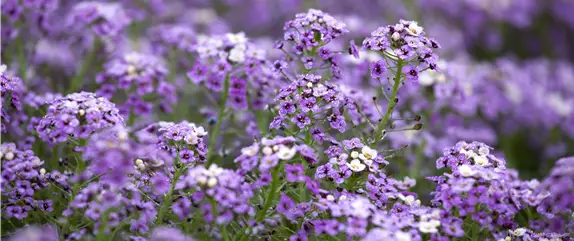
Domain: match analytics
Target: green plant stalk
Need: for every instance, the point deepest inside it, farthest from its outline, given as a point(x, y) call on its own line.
point(213, 134)
point(222, 228)
point(413, 171)
point(168, 197)
point(22, 59)
point(102, 229)
point(271, 195)
point(84, 68)
point(392, 104)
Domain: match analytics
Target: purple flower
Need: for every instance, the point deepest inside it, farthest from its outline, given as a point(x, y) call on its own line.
point(353, 49)
point(295, 172)
point(94, 113)
point(411, 72)
point(378, 68)
point(301, 120)
point(287, 108)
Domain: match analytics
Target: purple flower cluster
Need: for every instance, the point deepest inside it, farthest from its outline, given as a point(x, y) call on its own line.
point(12, 88)
point(106, 19)
point(307, 102)
point(226, 188)
point(22, 178)
point(143, 78)
point(268, 154)
point(481, 188)
point(309, 33)
point(172, 37)
point(404, 41)
point(77, 116)
point(183, 140)
point(558, 206)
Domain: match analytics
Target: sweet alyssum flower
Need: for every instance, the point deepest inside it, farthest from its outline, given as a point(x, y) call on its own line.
point(77, 116)
point(12, 91)
point(105, 19)
point(143, 78)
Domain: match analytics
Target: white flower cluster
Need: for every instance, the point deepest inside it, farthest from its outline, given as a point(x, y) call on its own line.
point(430, 222)
point(366, 156)
point(232, 46)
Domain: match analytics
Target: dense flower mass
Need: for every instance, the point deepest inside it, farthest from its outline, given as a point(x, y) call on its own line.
point(249, 120)
point(143, 78)
point(77, 116)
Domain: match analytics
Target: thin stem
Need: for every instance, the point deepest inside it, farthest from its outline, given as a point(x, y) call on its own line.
point(392, 103)
point(271, 194)
point(414, 171)
point(168, 197)
point(76, 81)
point(213, 134)
point(22, 59)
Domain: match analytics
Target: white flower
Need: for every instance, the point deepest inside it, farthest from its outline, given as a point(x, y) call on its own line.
point(71, 104)
point(211, 182)
point(483, 151)
point(3, 68)
point(356, 165)
point(9, 156)
point(286, 153)
point(214, 170)
point(414, 29)
point(237, 54)
point(429, 226)
point(199, 131)
point(267, 151)
point(402, 236)
point(480, 160)
point(396, 36)
point(191, 139)
point(238, 38)
point(330, 197)
point(354, 154)
point(518, 232)
point(250, 150)
point(410, 200)
point(367, 153)
point(466, 171)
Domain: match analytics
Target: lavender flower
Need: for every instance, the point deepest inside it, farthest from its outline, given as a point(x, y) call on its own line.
point(77, 116)
point(142, 77)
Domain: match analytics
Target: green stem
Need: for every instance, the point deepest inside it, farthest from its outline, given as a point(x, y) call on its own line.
point(414, 170)
point(102, 229)
point(222, 228)
point(392, 103)
point(22, 59)
point(168, 197)
point(271, 195)
point(79, 77)
point(213, 134)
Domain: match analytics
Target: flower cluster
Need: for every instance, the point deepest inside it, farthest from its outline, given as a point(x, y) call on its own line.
point(170, 37)
point(110, 155)
point(143, 78)
point(406, 42)
point(268, 153)
point(22, 178)
point(307, 102)
point(105, 19)
point(77, 116)
point(481, 188)
point(183, 140)
point(559, 188)
point(309, 33)
point(220, 193)
point(12, 88)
